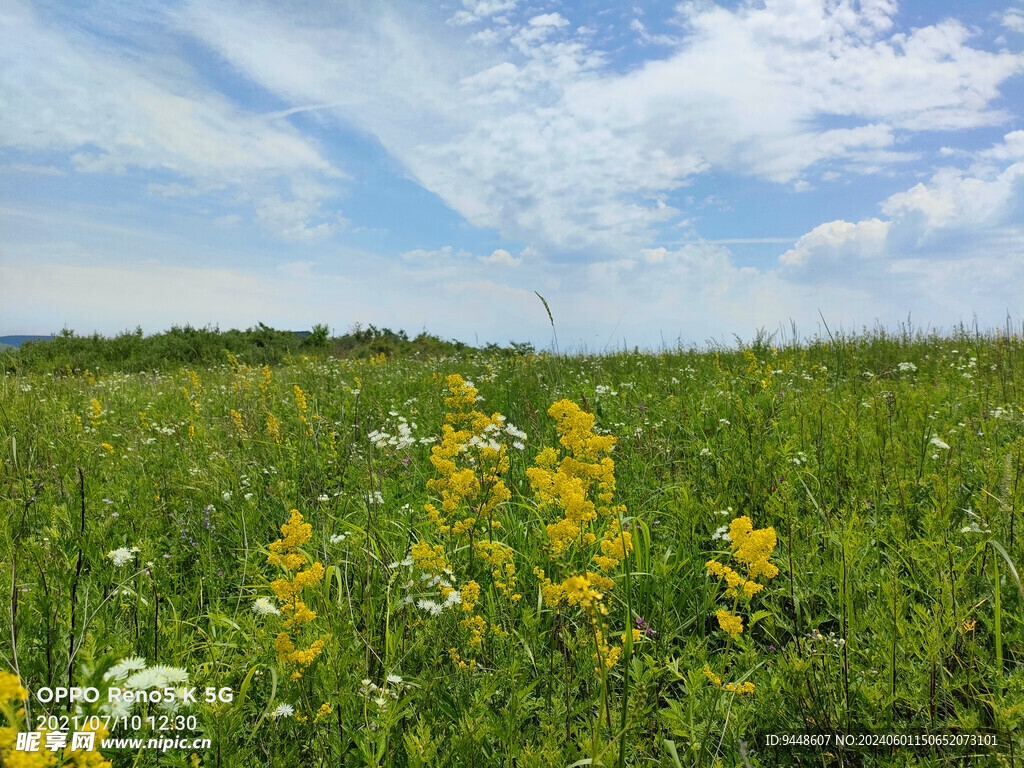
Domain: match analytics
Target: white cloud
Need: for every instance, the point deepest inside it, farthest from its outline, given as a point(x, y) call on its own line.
point(443, 254)
point(38, 170)
point(1013, 20)
point(539, 138)
point(501, 256)
point(950, 246)
point(65, 91)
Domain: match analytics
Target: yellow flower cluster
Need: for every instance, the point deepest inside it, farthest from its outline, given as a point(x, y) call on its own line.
point(97, 413)
point(285, 553)
point(430, 558)
point(324, 711)
point(503, 569)
point(737, 583)
point(11, 690)
point(469, 493)
point(192, 395)
point(300, 404)
point(753, 548)
point(579, 485)
point(273, 427)
point(470, 460)
point(730, 623)
point(568, 483)
point(742, 689)
point(239, 426)
point(470, 594)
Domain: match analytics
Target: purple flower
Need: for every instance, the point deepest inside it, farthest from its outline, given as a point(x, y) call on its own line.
point(108, 501)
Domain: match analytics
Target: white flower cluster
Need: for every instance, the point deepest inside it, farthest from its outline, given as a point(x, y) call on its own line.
point(722, 534)
point(816, 637)
point(122, 556)
point(133, 674)
point(907, 367)
point(381, 695)
point(264, 606)
point(977, 525)
point(404, 439)
point(601, 389)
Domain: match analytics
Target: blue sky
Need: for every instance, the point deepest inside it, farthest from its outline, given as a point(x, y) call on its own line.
point(657, 171)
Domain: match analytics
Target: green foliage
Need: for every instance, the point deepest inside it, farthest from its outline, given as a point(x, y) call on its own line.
point(890, 467)
point(200, 347)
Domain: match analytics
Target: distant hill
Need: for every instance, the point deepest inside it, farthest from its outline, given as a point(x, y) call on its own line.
point(17, 341)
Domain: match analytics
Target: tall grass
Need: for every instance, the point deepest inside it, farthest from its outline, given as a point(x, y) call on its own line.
point(886, 464)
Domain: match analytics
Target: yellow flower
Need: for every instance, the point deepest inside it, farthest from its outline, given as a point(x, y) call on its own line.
point(11, 688)
point(730, 623)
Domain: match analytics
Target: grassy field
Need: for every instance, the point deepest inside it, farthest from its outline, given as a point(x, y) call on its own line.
point(524, 560)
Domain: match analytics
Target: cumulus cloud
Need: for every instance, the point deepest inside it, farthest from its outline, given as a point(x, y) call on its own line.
point(537, 136)
point(956, 241)
point(501, 256)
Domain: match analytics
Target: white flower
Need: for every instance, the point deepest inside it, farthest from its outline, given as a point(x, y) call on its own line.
point(908, 367)
point(722, 533)
point(938, 443)
point(454, 598)
point(429, 605)
point(705, 451)
point(337, 538)
point(283, 710)
point(264, 606)
point(122, 556)
point(124, 667)
point(156, 677)
point(394, 679)
point(120, 708)
point(226, 495)
point(974, 528)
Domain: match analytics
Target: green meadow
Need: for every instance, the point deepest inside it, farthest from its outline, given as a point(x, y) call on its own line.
point(405, 552)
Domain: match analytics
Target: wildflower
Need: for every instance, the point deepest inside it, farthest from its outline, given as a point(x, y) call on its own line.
point(124, 668)
point(122, 556)
point(430, 606)
point(11, 688)
point(730, 623)
point(264, 606)
point(939, 443)
point(285, 553)
point(284, 710)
